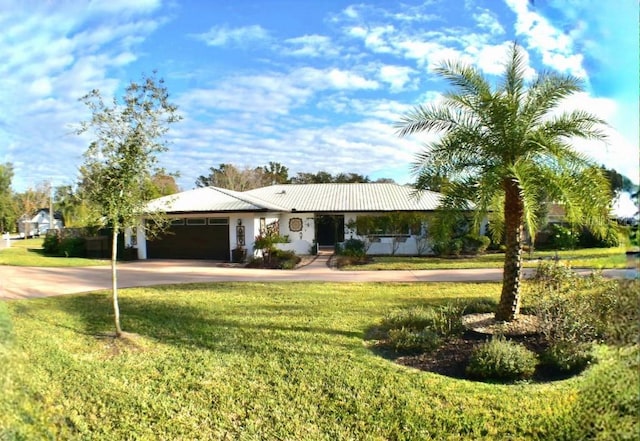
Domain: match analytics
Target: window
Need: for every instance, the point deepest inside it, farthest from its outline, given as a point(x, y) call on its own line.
point(218, 221)
point(177, 221)
point(392, 224)
point(197, 221)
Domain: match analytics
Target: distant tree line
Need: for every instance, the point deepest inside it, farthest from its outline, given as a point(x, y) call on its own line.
point(236, 178)
point(69, 201)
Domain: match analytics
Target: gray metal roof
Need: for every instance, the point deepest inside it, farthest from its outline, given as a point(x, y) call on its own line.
point(301, 197)
point(207, 199)
point(347, 197)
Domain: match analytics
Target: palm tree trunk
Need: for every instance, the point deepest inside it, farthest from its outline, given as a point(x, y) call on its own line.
point(509, 306)
point(114, 281)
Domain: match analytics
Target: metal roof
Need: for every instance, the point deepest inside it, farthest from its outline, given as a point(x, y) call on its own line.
point(348, 197)
point(207, 199)
point(301, 197)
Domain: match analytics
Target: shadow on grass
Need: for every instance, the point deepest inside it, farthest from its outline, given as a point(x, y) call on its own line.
point(173, 321)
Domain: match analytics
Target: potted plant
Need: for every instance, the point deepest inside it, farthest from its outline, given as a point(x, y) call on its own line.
point(238, 254)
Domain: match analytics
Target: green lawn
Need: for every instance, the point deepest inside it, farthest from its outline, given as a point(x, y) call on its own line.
point(247, 361)
point(29, 252)
point(597, 258)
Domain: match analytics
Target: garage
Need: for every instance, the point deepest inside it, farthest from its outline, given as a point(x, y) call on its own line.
point(192, 238)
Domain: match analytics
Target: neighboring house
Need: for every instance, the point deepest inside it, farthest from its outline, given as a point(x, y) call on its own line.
point(29, 226)
point(209, 222)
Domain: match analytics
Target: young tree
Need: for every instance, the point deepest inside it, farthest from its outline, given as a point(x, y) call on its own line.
point(127, 137)
point(510, 146)
point(7, 207)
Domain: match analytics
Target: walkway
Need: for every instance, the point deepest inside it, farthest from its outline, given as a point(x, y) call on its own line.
point(31, 282)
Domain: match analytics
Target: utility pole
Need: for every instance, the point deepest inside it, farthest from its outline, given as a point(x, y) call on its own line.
point(51, 227)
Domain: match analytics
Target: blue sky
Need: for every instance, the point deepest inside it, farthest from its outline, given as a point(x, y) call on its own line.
point(314, 85)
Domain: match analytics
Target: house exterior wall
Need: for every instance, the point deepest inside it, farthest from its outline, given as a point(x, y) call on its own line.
point(301, 229)
point(411, 245)
point(300, 241)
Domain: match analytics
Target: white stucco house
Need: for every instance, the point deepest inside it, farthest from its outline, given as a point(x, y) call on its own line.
point(209, 222)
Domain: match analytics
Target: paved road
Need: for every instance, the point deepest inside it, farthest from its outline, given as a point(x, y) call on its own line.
point(30, 282)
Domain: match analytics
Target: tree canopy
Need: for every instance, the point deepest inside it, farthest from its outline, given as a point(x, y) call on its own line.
point(508, 149)
point(7, 208)
point(241, 179)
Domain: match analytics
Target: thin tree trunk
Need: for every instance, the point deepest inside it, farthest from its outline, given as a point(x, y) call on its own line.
point(509, 306)
point(114, 281)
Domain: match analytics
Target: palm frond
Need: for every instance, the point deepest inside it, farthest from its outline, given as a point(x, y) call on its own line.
point(577, 123)
point(466, 80)
point(426, 119)
point(546, 92)
point(528, 176)
point(513, 82)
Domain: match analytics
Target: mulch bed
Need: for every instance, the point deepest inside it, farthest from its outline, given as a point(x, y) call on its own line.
point(452, 357)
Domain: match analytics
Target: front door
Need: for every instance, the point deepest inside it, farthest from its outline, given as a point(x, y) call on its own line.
point(329, 229)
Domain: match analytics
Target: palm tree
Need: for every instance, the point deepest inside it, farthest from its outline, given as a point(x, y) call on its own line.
point(506, 149)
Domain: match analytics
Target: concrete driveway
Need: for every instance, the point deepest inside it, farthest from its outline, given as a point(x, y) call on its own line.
point(31, 282)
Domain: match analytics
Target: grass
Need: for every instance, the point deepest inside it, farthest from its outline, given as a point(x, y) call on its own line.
point(597, 258)
point(29, 252)
point(247, 361)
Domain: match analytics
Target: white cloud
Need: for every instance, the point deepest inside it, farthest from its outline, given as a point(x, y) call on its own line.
point(555, 47)
point(341, 79)
point(40, 87)
point(124, 6)
point(242, 36)
point(487, 20)
point(52, 54)
point(311, 46)
point(271, 93)
point(398, 77)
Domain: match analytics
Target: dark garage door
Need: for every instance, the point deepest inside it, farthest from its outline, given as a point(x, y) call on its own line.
point(208, 241)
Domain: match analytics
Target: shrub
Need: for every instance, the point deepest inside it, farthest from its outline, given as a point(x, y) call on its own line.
point(72, 247)
point(353, 248)
point(562, 238)
point(579, 309)
point(445, 320)
point(51, 244)
point(410, 340)
point(266, 244)
point(566, 357)
point(69, 246)
point(586, 238)
point(501, 360)
point(282, 259)
point(422, 329)
point(474, 244)
point(451, 247)
point(618, 310)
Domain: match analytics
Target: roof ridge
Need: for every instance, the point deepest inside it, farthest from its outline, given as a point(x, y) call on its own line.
point(250, 199)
